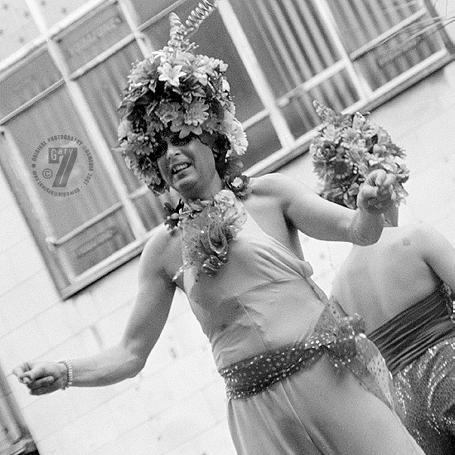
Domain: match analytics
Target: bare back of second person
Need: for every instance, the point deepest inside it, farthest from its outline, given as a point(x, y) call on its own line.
point(381, 280)
point(396, 286)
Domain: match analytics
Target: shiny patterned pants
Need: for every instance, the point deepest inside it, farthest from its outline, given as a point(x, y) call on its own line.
point(426, 394)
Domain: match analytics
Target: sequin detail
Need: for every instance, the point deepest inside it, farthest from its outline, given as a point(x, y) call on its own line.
point(425, 392)
point(341, 338)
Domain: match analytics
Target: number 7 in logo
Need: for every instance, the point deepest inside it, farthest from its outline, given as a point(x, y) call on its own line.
point(68, 155)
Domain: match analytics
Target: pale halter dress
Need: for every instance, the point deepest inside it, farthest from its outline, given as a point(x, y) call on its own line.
point(263, 299)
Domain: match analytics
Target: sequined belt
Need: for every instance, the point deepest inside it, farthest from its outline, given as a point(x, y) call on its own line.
point(255, 374)
point(408, 335)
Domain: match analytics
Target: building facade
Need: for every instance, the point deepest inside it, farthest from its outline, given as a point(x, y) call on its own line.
point(75, 220)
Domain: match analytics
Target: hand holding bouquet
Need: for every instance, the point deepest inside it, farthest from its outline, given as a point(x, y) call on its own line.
point(347, 149)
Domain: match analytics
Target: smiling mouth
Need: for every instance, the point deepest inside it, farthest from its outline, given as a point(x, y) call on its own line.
point(179, 167)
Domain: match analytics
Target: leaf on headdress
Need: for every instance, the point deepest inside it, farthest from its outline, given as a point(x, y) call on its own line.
point(176, 25)
point(177, 31)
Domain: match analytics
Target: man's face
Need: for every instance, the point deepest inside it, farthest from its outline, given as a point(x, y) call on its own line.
point(188, 166)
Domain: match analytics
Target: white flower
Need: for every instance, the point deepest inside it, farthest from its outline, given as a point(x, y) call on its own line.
point(123, 129)
point(225, 85)
point(171, 74)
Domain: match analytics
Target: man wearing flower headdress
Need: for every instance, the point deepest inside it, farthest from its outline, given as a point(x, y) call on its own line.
point(300, 378)
point(401, 285)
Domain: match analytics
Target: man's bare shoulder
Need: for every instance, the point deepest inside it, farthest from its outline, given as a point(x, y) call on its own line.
point(269, 182)
point(278, 185)
point(162, 250)
point(267, 191)
point(161, 237)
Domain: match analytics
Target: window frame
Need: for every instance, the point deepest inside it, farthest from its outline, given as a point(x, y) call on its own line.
point(291, 147)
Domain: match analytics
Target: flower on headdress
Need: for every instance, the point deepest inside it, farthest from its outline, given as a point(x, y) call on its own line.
point(225, 86)
point(347, 148)
point(184, 130)
point(140, 73)
point(201, 72)
point(167, 112)
point(196, 113)
point(219, 64)
point(238, 138)
point(170, 74)
point(123, 129)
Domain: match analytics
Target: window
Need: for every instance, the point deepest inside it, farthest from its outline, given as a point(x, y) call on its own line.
point(299, 56)
point(385, 39)
point(60, 93)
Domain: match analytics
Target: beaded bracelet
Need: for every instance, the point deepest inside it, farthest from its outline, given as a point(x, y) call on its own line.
point(69, 373)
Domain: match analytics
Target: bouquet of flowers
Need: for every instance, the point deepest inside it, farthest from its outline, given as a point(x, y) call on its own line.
point(347, 148)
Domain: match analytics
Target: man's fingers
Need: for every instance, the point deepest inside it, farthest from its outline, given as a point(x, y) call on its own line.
point(390, 179)
point(44, 390)
point(18, 372)
point(370, 192)
point(21, 369)
point(38, 377)
point(42, 383)
point(384, 193)
point(36, 373)
point(376, 177)
point(380, 178)
point(385, 180)
point(379, 205)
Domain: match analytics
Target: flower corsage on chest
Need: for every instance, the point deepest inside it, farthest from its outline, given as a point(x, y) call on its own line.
point(208, 227)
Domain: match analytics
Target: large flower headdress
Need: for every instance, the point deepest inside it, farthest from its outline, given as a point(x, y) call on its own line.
point(347, 148)
point(178, 93)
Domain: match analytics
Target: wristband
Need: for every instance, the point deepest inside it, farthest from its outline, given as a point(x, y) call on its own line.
point(69, 373)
